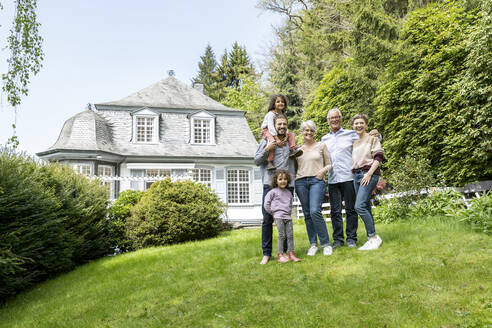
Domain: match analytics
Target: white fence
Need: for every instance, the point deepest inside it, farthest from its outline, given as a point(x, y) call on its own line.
point(473, 190)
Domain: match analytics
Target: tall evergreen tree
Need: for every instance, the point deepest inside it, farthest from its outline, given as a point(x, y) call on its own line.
point(229, 72)
point(235, 64)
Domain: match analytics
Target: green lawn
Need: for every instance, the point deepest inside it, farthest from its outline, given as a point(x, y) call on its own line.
point(432, 275)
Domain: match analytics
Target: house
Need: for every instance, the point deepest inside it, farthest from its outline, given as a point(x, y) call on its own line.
point(168, 129)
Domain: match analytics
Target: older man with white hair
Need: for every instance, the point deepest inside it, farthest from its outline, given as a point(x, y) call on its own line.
point(340, 179)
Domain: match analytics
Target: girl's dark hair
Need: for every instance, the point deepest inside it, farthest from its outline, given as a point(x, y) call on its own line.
point(271, 104)
point(277, 174)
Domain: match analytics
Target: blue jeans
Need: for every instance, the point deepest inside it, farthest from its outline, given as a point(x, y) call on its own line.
point(363, 201)
point(311, 192)
point(343, 191)
point(267, 225)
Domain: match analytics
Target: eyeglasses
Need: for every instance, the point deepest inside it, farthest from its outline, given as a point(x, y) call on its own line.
point(333, 118)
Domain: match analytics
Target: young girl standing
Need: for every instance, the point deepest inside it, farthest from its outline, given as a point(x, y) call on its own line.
point(277, 105)
point(278, 202)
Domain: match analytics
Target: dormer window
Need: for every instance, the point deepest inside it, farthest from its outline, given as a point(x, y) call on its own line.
point(145, 129)
point(145, 126)
point(203, 128)
point(201, 131)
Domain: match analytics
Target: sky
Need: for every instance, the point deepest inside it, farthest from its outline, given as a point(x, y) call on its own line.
point(98, 51)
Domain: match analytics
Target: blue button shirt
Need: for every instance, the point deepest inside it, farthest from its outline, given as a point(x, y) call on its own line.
point(340, 148)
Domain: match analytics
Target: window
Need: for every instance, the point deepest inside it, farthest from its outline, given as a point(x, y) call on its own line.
point(202, 126)
point(238, 186)
point(201, 131)
point(156, 173)
point(202, 175)
point(106, 171)
point(85, 169)
point(145, 125)
point(145, 129)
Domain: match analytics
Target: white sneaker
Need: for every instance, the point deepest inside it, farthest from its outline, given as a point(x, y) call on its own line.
point(312, 250)
point(328, 250)
point(372, 244)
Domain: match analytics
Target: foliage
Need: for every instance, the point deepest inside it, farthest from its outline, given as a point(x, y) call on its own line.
point(479, 214)
point(250, 98)
point(51, 220)
point(412, 176)
point(442, 203)
point(390, 210)
point(344, 87)
point(425, 101)
point(228, 73)
point(206, 72)
point(318, 36)
point(173, 212)
point(26, 54)
point(119, 212)
point(438, 203)
point(431, 274)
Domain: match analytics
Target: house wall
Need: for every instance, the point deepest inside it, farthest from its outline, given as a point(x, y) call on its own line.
point(249, 212)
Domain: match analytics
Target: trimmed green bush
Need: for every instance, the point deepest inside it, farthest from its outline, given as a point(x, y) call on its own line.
point(173, 212)
point(119, 212)
point(51, 220)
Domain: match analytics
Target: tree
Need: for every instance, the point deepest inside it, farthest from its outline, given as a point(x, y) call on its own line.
point(234, 65)
point(345, 87)
point(436, 96)
point(26, 54)
point(206, 70)
point(250, 98)
point(227, 73)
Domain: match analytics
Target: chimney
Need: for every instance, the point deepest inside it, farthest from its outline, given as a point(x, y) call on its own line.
point(199, 87)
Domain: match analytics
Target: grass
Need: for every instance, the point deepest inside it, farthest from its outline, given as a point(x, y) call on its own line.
point(435, 274)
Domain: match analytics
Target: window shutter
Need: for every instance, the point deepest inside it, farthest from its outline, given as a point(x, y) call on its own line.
point(220, 184)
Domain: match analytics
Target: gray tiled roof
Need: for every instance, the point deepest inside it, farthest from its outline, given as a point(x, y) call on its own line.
point(169, 93)
point(85, 131)
point(232, 133)
point(109, 128)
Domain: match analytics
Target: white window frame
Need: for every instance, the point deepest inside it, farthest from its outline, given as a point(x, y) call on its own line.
point(200, 175)
point(146, 113)
point(104, 182)
point(206, 117)
point(160, 174)
point(77, 167)
point(238, 183)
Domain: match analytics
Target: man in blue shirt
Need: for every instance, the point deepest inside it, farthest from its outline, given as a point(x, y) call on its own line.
point(340, 179)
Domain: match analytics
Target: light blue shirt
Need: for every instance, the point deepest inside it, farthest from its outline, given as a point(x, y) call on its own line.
point(340, 148)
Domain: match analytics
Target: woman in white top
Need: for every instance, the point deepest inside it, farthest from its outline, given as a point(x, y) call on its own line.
point(313, 165)
point(367, 155)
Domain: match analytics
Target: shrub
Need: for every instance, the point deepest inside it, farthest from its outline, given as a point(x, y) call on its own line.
point(173, 212)
point(479, 215)
point(392, 210)
point(439, 203)
point(119, 212)
point(51, 220)
point(412, 175)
